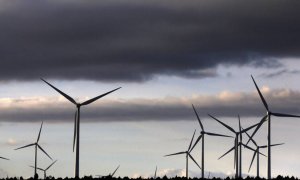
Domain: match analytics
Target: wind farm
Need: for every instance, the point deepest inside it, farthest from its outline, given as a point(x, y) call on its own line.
point(237, 144)
point(237, 148)
point(173, 89)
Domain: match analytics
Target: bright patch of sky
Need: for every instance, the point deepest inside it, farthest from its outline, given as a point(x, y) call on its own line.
point(139, 146)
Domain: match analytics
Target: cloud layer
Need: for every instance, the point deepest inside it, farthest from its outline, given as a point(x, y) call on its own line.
point(137, 40)
point(225, 104)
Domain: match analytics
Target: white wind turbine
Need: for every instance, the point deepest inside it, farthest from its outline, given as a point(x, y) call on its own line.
point(77, 119)
point(257, 152)
point(36, 145)
point(202, 135)
point(188, 155)
point(46, 169)
point(238, 135)
point(268, 118)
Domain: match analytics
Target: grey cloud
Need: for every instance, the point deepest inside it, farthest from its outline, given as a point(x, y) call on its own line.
point(280, 73)
point(225, 104)
point(137, 40)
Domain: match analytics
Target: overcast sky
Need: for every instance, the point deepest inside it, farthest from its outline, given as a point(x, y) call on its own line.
point(166, 55)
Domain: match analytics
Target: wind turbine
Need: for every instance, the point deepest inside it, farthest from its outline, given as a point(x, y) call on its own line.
point(110, 174)
point(45, 170)
point(268, 118)
point(257, 152)
point(188, 155)
point(155, 173)
point(202, 135)
point(236, 144)
point(36, 145)
point(240, 144)
point(77, 119)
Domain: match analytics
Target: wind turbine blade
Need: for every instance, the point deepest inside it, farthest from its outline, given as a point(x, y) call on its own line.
point(265, 146)
point(262, 154)
point(277, 144)
point(215, 134)
point(227, 152)
point(39, 133)
point(115, 171)
point(176, 154)
point(75, 129)
point(60, 92)
point(261, 96)
point(51, 165)
point(201, 125)
point(257, 128)
point(240, 127)
point(251, 149)
point(228, 127)
point(26, 146)
point(98, 97)
point(44, 151)
point(196, 142)
point(251, 138)
point(3, 158)
point(252, 160)
point(194, 160)
point(37, 168)
point(191, 141)
point(249, 128)
point(284, 115)
point(248, 147)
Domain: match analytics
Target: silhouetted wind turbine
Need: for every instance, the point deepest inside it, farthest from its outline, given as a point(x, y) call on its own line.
point(188, 155)
point(155, 173)
point(268, 117)
point(240, 144)
point(256, 153)
point(110, 174)
point(36, 144)
point(202, 135)
point(236, 143)
point(77, 119)
point(45, 170)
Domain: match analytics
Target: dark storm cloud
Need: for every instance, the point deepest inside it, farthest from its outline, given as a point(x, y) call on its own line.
point(138, 40)
point(224, 104)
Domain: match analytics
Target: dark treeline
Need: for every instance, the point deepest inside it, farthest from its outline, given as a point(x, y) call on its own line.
point(140, 178)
